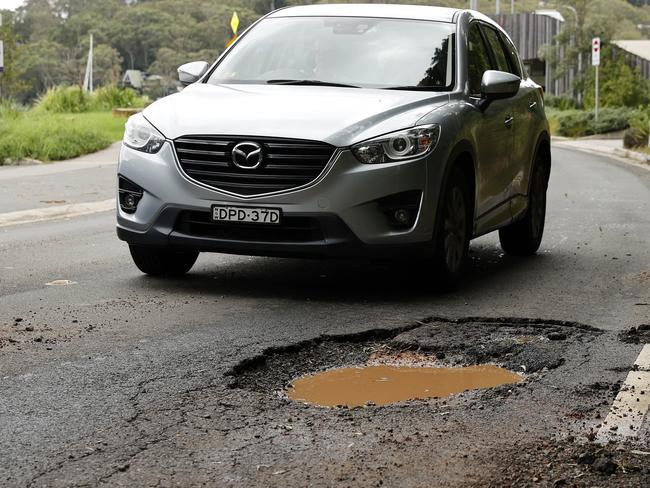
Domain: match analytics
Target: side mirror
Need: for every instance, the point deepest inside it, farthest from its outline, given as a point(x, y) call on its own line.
point(497, 85)
point(191, 72)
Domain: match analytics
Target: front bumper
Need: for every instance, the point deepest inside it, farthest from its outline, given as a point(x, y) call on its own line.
point(342, 205)
point(337, 241)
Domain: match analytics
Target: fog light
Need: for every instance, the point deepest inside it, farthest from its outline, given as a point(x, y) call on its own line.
point(130, 195)
point(129, 201)
point(402, 216)
point(401, 209)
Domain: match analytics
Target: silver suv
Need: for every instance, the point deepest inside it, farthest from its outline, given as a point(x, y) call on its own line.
point(353, 131)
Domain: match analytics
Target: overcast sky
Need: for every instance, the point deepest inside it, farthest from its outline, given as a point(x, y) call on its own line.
point(10, 4)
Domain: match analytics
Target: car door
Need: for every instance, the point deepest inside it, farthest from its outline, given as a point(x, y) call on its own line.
point(492, 132)
point(529, 108)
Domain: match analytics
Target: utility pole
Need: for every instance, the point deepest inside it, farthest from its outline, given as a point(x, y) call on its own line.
point(498, 7)
point(2, 55)
point(512, 7)
point(88, 78)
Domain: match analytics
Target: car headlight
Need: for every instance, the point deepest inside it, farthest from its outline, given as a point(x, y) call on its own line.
point(139, 134)
point(398, 146)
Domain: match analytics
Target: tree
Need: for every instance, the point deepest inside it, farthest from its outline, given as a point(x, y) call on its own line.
point(620, 85)
point(107, 66)
point(586, 19)
point(36, 20)
point(42, 65)
point(11, 84)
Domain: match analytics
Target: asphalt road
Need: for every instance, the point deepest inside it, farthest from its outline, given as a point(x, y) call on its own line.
point(118, 379)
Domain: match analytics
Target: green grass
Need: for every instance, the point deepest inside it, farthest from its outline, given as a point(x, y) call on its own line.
point(56, 136)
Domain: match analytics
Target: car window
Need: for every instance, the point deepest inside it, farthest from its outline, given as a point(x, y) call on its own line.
point(497, 49)
point(365, 52)
point(478, 59)
point(511, 52)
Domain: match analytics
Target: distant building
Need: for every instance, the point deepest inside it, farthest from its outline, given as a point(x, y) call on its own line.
point(133, 78)
point(531, 32)
point(141, 81)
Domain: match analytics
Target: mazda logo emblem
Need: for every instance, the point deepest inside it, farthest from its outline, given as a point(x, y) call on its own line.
point(247, 155)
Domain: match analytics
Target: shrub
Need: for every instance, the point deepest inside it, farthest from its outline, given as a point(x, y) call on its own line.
point(639, 131)
point(579, 123)
point(561, 102)
point(634, 138)
point(611, 120)
point(73, 99)
point(110, 97)
point(60, 99)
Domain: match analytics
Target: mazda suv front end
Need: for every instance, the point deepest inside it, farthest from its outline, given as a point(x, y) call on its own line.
point(346, 131)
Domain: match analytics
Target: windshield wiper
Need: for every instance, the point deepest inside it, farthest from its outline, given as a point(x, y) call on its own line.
point(309, 82)
point(414, 88)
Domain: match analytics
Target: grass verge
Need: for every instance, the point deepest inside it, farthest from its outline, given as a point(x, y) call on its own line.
point(56, 136)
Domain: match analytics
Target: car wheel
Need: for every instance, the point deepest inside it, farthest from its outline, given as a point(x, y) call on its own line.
point(162, 261)
point(453, 232)
point(524, 237)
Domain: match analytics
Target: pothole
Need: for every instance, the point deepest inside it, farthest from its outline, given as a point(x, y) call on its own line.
point(452, 349)
point(383, 385)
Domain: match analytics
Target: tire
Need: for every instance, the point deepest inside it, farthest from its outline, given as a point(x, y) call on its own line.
point(524, 237)
point(160, 261)
point(453, 232)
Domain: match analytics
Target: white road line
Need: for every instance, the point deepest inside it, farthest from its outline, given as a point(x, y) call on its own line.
point(54, 213)
point(643, 361)
point(631, 405)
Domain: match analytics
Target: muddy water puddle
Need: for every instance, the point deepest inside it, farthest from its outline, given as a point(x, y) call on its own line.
point(384, 384)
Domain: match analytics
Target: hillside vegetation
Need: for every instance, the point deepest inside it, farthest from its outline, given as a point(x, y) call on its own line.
point(46, 41)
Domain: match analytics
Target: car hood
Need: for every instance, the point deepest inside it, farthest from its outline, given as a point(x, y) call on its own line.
point(339, 116)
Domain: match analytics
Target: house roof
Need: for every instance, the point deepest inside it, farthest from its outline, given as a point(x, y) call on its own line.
point(638, 48)
point(554, 14)
point(134, 77)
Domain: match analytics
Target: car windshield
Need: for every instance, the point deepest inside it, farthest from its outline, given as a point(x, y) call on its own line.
point(338, 51)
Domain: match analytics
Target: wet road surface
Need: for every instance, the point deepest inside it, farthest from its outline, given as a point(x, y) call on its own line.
point(120, 379)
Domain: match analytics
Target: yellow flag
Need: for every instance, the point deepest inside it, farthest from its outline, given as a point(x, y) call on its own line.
point(234, 23)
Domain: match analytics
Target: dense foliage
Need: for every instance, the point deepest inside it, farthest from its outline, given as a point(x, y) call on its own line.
point(579, 123)
point(46, 41)
point(73, 99)
point(46, 46)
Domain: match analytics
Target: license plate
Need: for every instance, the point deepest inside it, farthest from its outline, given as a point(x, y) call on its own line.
point(251, 215)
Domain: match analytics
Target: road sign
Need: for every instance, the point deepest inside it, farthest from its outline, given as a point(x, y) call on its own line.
point(234, 23)
point(595, 61)
point(595, 51)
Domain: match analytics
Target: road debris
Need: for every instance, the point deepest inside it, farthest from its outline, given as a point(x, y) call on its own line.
point(61, 283)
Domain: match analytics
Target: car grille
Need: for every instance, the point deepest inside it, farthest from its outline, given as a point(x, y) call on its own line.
point(287, 163)
point(292, 229)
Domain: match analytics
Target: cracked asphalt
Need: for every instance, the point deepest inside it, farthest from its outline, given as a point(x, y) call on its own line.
point(121, 380)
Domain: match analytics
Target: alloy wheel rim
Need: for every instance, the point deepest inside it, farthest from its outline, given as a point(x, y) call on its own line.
point(455, 229)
